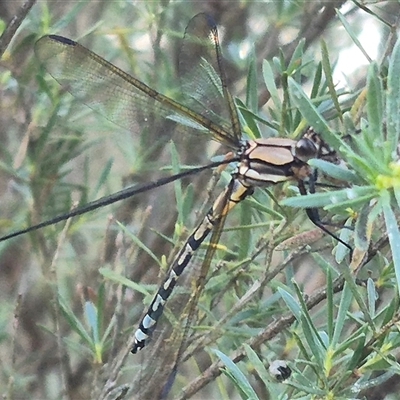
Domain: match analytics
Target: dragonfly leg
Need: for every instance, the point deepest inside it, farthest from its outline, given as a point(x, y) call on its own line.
point(313, 215)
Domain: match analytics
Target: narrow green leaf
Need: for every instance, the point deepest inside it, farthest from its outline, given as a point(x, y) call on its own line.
point(393, 97)
point(177, 184)
point(341, 251)
point(393, 233)
point(371, 159)
point(188, 201)
point(255, 117)
point(396, 191)
point(250, 125)
point(244, 235)
point(101, 301)
point(361, 238)
point(325, 265)
point(92, 319)
point(372, 297)
point(238, 377)
point(355, 290)
point(139, 243)
point(359, 351)
point(333, 198)
point(314, 338)
point(316, 81)
point(251, 84)
point(91, 316)
point(379, 380)
point(352, 34)
point(310, 389)
point(113, 276)
point(74, 322)
point(105, 173)
point(269, 80)
point(326, 65)
point(291, 302)
point(330, 305)
point(345, 300)
point(390, 310)
point(108, 332)
point(311, 114)
point(374, 106)
point(295, 62)
point(334, 171)
point(353, 204)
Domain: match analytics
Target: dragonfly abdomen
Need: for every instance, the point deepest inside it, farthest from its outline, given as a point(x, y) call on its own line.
point(156, 308)
point(233, 194)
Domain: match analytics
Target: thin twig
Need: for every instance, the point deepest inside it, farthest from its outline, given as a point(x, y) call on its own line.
point(14, 24)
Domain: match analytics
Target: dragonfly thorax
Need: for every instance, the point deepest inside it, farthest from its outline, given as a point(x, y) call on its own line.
point(274, 160)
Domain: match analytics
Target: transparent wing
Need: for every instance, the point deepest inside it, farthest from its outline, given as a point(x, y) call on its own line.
point(118, 96)
point(202, 75)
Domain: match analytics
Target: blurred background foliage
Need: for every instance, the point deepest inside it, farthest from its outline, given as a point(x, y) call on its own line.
point(72, 294)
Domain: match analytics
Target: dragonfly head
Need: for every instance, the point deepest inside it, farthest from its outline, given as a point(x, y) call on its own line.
point(310, 140)
point(305, 149)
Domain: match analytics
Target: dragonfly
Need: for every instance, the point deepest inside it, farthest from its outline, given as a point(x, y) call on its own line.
point(129, 103)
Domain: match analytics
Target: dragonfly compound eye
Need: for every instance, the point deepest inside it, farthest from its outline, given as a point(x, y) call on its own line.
point(305, 149)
